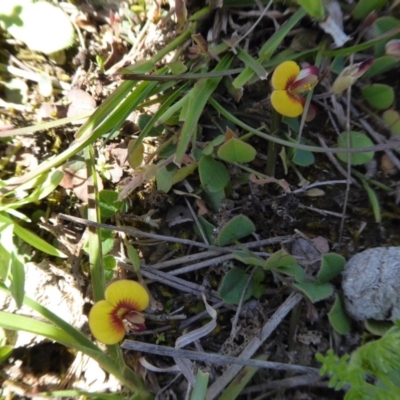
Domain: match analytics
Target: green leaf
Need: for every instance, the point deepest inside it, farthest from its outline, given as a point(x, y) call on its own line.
point(214, 199)
point(142, 122)
point(18, 280)
point(355, 140)
point(44, 185)
point(235, 388)
point(296, 271)
point(378, 328)
point(5, 353)
point(249, 259)
point(237, 228)
point(164, 178)
point(269, 47)
point(364, 7)
point(183, 172)
point(303, 158)
point(109, 262)
point(41, 25)
point(198, 98)
point(200, 386)
point(250, 62)
point(208, 229)
point(380, 65)
point(213, 174)
point(332, 265)
point(135, 154)
point(338, 318)
point(19, 322)
point(379, 95)
point(177, 67)
point(280, 258)
point(109, 204)
point(392, 121)
point(315, 291)
point(236, 151)
point(35, 241)
point(133, 256)
point(314, 8)
point(381, 26)
point(233, 284)
point(373, 199)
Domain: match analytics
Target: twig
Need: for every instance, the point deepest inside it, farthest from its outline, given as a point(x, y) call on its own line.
point(378, 137)
point(336, 163)
point(322, 212)
point(212, 357)
point(294, 381)
point(348, 164)
point(240, 305)
point(138, 233)
point(254, 345)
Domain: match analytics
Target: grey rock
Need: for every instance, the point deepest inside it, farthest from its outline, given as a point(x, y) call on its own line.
point(371, 284)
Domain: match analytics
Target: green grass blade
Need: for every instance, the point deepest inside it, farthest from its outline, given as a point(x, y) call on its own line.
point(46, 183)
point(200, 387)
point(18, 279)
point(37, 242)
point(198, 98)
point(270, 46)
point(159, 114)
point(250, 62)
point(362, 46)
point(21, 323)
point(234, 389)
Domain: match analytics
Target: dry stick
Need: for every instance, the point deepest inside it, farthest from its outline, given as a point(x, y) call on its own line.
point(335, 163)
point(203, 264)
point(138, 233)
point(212, 253)
point(319, 211)
point(213, 358)
point(348, 162)
point(240, 305)
point(254, 345)
point(294, 381)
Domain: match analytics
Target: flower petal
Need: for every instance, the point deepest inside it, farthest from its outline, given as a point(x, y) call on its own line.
point(127, 294)
point(284, 75)
point(105, 326)
point(287, 105)
point(304, 84)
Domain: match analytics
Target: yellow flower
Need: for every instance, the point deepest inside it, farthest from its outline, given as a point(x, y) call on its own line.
point(123, 301)
point(288, 81)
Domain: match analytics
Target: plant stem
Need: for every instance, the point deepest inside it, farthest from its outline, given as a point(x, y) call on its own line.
point(273, 147)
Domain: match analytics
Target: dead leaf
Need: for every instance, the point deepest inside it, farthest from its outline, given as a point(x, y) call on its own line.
point(314, 192)
point(81, 102)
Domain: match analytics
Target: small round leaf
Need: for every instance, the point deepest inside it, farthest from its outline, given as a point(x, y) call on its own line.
point(238, 227)
point(355, 140)
point(235, 150)
point(213, 174)
point(379, 96)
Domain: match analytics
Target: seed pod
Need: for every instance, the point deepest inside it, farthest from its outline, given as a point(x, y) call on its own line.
point(371, 284)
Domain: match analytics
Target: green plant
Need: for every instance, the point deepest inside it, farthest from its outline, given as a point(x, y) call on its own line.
point(371, 372)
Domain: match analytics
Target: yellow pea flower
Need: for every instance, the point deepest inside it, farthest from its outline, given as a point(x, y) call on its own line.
point(108, 319)
point(288, 82)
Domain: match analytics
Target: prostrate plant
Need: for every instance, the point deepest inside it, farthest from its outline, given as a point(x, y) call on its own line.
point(371, 371)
